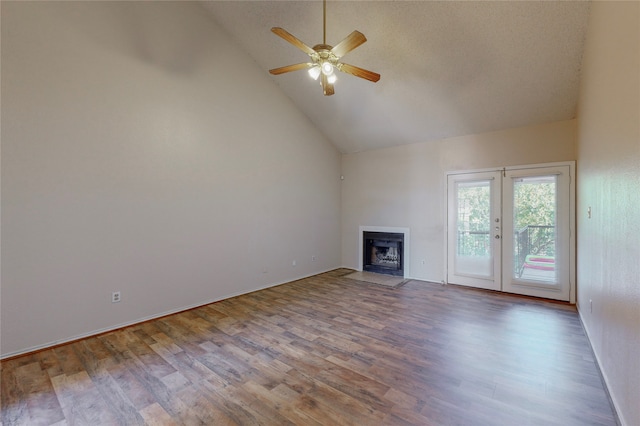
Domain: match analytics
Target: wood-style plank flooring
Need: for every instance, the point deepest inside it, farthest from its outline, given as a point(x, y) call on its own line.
point(325, 350)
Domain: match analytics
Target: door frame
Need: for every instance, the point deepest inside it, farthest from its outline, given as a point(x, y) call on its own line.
point(493, 281)
point(572, 214)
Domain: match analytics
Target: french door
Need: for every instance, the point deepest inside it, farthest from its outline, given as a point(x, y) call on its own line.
point(510, 230)
point(474, 228)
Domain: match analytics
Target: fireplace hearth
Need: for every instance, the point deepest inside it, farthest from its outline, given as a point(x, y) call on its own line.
point(383, 252)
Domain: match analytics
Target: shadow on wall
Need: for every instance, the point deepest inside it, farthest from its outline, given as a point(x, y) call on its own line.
point(149, 31)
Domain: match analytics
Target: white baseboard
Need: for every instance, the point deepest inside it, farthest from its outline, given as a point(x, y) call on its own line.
point(147, 318)
point(616, 409)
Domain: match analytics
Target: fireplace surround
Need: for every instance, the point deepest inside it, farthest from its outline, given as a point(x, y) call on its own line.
point(406, 249)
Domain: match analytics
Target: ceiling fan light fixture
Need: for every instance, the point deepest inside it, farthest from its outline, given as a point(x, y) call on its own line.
point(315, 72)
point(327, 68)
point(324, 58)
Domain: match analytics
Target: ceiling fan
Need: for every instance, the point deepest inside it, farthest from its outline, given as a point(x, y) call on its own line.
point(324, 58)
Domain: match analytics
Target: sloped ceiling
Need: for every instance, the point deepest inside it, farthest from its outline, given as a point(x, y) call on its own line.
point(449, 68)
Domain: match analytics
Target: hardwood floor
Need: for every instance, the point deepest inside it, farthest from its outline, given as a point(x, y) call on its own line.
point(325, 350)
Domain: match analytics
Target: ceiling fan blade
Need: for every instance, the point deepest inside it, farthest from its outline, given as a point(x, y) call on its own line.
point(290, 68)
point(327, 88)
point(293, 40)
point(359, 72)
point(349, 43)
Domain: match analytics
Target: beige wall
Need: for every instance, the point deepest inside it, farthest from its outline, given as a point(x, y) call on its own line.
point(608, 154)
point(142, 152)
point(405, 186)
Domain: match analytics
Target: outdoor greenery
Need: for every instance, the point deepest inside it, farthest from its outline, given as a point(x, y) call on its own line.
point(474, 219)
point(534, 218)
point(535, 203)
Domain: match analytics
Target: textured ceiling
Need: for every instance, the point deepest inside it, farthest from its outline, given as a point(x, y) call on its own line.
point(449, 68)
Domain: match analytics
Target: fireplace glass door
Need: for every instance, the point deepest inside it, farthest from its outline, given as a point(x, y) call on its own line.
point(382, 253)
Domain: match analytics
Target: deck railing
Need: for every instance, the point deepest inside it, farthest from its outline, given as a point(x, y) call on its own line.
point(537, 240)
point(474, 243)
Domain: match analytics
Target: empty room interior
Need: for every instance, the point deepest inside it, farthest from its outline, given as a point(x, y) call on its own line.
point(307, 212)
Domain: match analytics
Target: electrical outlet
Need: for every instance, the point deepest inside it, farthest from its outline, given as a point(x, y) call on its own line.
point(590, 305)
point(294, 263)
point(313, 258)
point(589, 212)
point(116, 297)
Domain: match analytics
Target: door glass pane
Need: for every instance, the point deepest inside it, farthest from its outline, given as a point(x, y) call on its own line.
point(473, 247)
point(534, 220)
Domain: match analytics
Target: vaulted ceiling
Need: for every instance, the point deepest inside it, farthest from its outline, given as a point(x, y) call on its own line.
point(449, 68)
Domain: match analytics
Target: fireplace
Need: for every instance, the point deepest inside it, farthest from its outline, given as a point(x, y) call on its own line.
point(383, 252)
